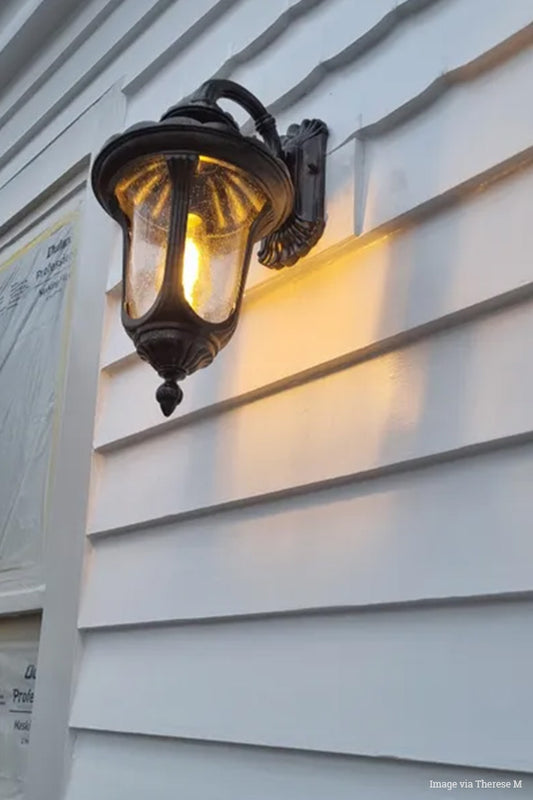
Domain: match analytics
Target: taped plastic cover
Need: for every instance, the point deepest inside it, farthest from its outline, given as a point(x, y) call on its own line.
point(32, 310)
point(18, 659)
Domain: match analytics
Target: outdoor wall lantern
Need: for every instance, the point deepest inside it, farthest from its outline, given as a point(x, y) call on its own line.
point(192, 195)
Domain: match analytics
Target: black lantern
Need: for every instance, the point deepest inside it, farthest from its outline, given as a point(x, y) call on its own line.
point(192, 195)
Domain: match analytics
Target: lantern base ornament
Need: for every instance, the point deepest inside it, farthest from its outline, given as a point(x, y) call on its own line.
point(169, 395)
point(174, 353)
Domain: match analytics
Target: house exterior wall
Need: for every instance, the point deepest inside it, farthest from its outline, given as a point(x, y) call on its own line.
point(315, 579)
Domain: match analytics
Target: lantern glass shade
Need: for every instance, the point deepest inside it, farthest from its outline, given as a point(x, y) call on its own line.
point(144, 195)
point(223, 205)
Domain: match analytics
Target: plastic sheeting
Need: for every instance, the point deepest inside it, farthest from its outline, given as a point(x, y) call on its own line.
point(18, 659)
point(17, 681)
point(32, 308)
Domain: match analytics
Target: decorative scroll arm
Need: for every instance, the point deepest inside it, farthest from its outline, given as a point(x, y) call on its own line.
point(304, 152)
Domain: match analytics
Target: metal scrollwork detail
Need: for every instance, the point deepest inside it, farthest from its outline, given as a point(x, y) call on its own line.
point(291, 242)
point(304, 152)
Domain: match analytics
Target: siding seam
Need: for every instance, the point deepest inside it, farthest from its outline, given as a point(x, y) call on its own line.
point(383, 758)
point(421, 603)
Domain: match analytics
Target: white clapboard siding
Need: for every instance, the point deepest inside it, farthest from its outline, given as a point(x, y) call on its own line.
point(427, 154)
point(204, 59)
point(114, 40)
point(450, 263)
point(122, 49)
point(432, 45)
point(129, 47)
point(60, 161)
point(354, 89)
point(456, 389)
point(113, 767)
point(8, 19)
point(410, 683)
point(314, 580)
point(402, 171)
point(23, 22)
point(389, 180)
point(360, 91)
point(43, 62)
point(376, 542)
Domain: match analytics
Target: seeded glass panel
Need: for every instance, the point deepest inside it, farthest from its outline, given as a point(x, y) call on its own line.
point(144, 195)
point(223, 205)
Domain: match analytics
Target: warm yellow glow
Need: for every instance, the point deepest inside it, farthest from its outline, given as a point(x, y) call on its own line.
point(191, 269)
point(191, 262)
point(191, 259)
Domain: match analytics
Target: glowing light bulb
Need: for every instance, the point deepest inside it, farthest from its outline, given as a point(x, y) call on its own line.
point(191, 260)
point(191, 269)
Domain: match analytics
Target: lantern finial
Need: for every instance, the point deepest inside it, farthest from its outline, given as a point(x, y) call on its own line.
point(169, 395)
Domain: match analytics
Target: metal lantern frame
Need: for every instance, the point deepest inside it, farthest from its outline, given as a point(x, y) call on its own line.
point(290, 172)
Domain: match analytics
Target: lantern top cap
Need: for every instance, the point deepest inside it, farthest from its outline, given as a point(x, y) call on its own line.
point(203, 106)
point(199, 127)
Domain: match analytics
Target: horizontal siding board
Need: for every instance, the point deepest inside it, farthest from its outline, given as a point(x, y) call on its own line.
point(401, 171)
point(248, 29)
point(344, 101)
point(347, 33)
point(341, 62)
point(10, 19)
point(447, 685)
point(47, 59)
point(132, 37)
point(448, 263)
point(456, 389)
point(43, 61)
point(452, 530)
point(89, 72)
point(126, 41)
point(397, 179)
point(122, 27)
point(251, 42)
point(447, 36)
point(133, 768)
point(65, 159)
point(52, 31)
